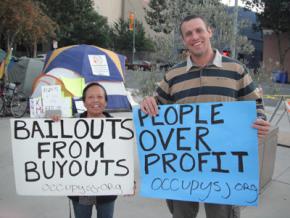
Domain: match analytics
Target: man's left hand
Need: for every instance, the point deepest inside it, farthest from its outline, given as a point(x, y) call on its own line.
point(262, 126)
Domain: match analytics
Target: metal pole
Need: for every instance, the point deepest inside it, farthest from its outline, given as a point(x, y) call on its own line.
point(134, 50)
point(235, 28)
point(276, 108)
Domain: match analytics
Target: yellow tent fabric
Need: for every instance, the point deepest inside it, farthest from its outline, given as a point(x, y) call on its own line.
point(5, 63)
point(2, 70)
point(50, 80)
point(74, 85)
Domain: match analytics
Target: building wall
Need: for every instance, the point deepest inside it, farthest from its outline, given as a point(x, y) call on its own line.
point(137, 6)
point(112, 9)
point(271, 52)
point(115, 9)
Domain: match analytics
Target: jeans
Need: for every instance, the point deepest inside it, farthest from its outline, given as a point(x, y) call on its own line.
point(104, 209)
point(187, 209)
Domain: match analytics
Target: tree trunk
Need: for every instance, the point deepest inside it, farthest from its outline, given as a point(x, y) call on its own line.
point(8, 43)
point(281, 61)
point(287, 49)
point(10, 40)
point(34, 48)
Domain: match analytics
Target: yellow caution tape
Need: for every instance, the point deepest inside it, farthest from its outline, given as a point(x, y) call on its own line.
point(275, 96)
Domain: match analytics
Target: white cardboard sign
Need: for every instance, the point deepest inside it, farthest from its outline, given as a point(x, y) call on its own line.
point(36, 107)
point(51, 96)
point(99, 65)
point(73, 156)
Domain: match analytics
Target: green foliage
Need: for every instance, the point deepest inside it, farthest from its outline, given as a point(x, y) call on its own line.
point(146, 82)
point(275, 14)
point(158, 16)
point(78, 22)
point(263, 76)
point(89, 29)
point(164, 15)
point(163, 49)
point(221, 21)
point(24, 21)
point(122, 37)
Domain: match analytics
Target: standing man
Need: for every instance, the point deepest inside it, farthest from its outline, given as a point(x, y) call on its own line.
point(206, 76)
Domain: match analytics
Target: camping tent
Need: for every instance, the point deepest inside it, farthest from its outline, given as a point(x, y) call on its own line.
point(24, 71)
point(91, 63)
point(12, 61)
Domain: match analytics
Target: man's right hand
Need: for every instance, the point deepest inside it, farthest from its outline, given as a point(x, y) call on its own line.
point(149, 106)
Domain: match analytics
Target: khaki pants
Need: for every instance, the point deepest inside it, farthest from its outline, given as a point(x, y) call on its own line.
point(187, 209)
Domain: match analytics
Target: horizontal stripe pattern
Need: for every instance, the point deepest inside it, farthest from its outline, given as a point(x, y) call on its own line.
point(231, 82)
point(206, 90)
point(211, 73)
point(164, 95)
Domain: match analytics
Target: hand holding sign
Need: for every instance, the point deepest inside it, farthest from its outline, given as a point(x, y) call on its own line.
point(149, 106)
point(262, 126)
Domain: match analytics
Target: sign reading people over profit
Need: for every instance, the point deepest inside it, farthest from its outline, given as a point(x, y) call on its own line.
point(205, 152)
point(73, 156)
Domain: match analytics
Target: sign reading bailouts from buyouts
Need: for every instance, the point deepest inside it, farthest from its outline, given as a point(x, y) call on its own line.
point(73, 156)
point(205, 152)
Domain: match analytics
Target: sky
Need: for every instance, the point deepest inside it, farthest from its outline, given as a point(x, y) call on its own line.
point(240, 3)
point(232, 2)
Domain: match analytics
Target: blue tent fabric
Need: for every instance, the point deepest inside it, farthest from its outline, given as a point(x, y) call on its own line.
point(76, 59)
point(114, 102)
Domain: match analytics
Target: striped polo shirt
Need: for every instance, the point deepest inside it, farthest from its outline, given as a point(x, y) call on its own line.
point(222, 80)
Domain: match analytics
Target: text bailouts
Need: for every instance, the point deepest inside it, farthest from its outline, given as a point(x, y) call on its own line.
point(71, 151)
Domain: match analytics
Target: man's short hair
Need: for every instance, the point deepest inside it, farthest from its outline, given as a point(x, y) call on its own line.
point(191, 17)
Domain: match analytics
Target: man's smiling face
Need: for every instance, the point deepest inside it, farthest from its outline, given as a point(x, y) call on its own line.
point(196, 37)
